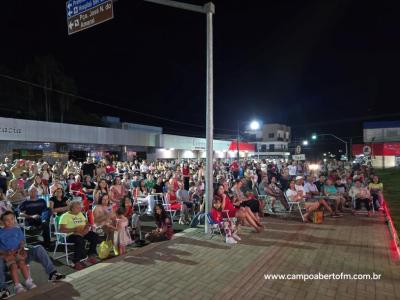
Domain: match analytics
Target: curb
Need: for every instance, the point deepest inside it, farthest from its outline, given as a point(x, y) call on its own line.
point(395, 242)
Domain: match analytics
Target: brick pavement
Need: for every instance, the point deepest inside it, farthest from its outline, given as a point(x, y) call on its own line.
point(193, 267)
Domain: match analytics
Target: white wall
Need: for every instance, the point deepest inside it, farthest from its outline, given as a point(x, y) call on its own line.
point(380, 162)
point(375, 135)
point(38, 131)
point(169, 141)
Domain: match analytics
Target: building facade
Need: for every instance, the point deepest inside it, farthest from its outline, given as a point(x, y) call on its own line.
point(381, 144)
point(273, 141)
point(35, 140)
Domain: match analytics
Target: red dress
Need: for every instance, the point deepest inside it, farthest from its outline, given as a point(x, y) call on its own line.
point(172, 201)
point(216, 215)
point(229, 206)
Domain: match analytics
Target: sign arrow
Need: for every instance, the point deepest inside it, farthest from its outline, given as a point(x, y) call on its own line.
point(70, 25)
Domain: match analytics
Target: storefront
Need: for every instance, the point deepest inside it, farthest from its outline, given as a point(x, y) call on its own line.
point(35, 140)
point(382, 155)
point(184, 147)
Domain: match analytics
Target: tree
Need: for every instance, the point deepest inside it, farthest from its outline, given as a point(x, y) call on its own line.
point(48, 73)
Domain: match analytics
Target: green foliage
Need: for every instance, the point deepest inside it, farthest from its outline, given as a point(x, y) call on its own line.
point(391, 189)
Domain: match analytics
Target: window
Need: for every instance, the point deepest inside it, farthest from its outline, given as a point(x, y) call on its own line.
point(271, 135)
point(271, 147)
point(391, 132)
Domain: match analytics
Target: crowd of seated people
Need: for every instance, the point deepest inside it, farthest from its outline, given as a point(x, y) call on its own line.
point(109, 191)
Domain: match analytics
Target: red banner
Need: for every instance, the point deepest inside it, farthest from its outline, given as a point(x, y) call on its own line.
point(380, 149)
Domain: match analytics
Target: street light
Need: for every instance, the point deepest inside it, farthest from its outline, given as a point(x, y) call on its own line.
point(254, 125)
point(305, 143)
point(314, 137)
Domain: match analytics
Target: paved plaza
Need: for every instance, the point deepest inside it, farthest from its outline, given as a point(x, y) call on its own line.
point(191, 266)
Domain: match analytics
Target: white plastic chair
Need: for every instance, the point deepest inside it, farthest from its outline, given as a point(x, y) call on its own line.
point(138, 202)
point(61, 240)
point(295, 205)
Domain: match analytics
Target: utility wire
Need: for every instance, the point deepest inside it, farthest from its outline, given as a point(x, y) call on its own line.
point(107, 104)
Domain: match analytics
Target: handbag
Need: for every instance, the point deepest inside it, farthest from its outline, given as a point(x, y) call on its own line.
point(104, 249)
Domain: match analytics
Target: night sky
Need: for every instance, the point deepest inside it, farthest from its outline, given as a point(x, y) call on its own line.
point(319, 66)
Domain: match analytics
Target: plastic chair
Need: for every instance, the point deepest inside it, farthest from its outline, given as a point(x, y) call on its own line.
point(295, 205)
point(61, 240)
point(168, 208)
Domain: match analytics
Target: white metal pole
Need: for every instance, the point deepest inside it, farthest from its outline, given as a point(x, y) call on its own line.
point(209, 10)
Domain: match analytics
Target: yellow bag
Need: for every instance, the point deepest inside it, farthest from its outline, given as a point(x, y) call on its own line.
point(104, 249)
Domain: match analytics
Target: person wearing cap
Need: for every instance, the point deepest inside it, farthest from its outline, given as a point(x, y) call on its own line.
point(299, 185)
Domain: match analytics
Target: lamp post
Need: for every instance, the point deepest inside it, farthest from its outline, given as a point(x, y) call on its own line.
point(209, 10)
point(315, 136)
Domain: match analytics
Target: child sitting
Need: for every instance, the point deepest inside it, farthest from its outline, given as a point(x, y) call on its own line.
point(229, 228)
point(13, 252)
point(122, 237)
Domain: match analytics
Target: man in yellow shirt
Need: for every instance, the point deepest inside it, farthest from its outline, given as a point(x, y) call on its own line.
point(376, 190)
point(74, 224)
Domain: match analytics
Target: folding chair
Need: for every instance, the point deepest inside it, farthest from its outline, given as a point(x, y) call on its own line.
point(214, 226)
point(159, 197)
point(61, 240)
point(138, 202)
point(294, 205)
point(168, 209)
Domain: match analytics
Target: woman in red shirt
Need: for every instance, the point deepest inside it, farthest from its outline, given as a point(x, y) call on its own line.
point(172, 199)
point(242, 213)
point(174, 182)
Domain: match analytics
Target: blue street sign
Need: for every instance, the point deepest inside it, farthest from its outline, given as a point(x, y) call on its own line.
point(75, 7)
